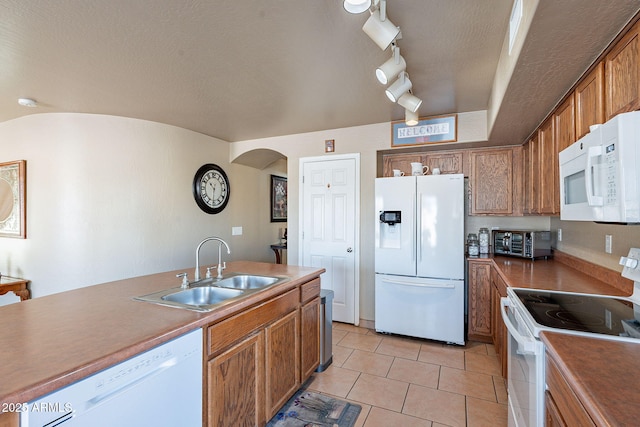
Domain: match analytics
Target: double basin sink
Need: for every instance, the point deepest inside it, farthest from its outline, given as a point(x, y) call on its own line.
point(208, 294)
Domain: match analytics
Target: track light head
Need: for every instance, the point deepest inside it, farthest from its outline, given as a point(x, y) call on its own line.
point(410, 102)
point(356, 6)
point(381, 32)
point(411, 118)
point(399, 87)
point(391, 68)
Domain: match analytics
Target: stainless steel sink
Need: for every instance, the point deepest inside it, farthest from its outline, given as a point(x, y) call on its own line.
point(203, 295)
point(246, 281)
point(210, 293)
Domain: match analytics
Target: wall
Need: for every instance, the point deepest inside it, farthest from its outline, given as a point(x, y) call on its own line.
point(111, 197)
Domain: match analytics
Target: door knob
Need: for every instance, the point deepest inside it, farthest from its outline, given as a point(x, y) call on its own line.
point(349, 250)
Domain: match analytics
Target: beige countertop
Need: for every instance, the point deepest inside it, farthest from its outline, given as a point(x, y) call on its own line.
point(53, 341)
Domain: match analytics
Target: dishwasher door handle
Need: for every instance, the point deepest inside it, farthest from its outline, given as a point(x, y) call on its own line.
point(528, 345)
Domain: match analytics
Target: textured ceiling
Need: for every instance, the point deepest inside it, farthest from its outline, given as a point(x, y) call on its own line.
point(240, 69)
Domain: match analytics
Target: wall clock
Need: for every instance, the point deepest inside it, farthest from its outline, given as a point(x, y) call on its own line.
point(211, 188)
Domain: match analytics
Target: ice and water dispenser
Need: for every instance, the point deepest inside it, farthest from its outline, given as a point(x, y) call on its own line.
point(390, 229)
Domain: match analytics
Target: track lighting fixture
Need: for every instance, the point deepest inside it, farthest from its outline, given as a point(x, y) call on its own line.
point(392, 67)
point(356, 6)
point(410, 102)
point(399, 87)
point(382, 32)
point(411, 118)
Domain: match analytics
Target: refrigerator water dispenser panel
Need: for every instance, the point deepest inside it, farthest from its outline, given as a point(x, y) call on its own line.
point(390, 229)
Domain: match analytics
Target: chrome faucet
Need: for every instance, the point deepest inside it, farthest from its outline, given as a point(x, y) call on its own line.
point(221, 266)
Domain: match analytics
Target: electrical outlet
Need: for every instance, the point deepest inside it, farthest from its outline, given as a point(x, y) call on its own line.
point(236, 231)
point(608, 243)
point(559, 234)
point(607, 318)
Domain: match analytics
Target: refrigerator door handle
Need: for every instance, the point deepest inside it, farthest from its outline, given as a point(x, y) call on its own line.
point(420, 285)
point(418, 232)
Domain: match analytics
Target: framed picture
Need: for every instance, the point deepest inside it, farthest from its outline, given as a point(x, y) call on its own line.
point(429, 130)
point(13, 210)
point(278, 199)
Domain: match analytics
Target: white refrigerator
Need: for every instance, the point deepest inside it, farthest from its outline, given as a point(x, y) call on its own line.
point(419, 256)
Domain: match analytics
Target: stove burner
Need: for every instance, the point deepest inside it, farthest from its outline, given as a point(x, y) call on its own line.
point(576, 318)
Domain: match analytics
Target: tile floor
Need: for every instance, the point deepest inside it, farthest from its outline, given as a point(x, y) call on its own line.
point(412, 382)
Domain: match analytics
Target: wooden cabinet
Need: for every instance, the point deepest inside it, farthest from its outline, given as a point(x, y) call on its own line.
point(9, 419)
point(622, 73)
point(589, 101)
point(563, 406)
point(256, 360)
point(496, 181)
point(531, 172)
point(310, 324)
point(235, 385)
point(282, 365)
point(446, 161)
point(479, 291)
point(499, 332)
point(548, 189)
point(564, 124)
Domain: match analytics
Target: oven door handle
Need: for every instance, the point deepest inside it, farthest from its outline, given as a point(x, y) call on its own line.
point(526, 345)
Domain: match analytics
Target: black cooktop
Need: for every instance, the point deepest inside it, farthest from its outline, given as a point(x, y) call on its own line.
point(578, 312)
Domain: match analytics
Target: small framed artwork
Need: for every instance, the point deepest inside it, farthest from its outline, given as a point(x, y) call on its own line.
point(429, 130)
point(278, 199)
point(13, 210)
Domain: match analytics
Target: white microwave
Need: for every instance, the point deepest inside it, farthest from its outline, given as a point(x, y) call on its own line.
point(599, 180)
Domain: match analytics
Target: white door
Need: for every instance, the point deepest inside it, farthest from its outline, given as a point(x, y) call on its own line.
point(329, 227)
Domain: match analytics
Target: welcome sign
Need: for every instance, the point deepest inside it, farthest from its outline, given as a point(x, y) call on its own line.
point(429, 130)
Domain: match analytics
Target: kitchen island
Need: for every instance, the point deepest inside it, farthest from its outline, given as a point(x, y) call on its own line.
point(53, 341)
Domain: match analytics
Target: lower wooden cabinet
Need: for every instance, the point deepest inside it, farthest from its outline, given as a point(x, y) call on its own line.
point(235, 385)
point(257, 359)
point(282, 361)
point(499, 331)
point(562, 405)
point(479, 289)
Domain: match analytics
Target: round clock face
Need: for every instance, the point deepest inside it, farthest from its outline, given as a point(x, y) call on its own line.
point(211, 188)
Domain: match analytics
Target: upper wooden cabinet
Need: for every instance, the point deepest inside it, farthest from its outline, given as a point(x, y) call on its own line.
point(495, 181)
point(622, 71)
point(531, 172)
point(548, 170)
point(446, 161)
point(564, 124)
point(589, 101)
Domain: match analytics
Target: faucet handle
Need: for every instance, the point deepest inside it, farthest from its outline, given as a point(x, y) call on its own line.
point(185, 279)
point(208, 275)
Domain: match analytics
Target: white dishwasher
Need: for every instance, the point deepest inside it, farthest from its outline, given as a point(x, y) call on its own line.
point(161, 387)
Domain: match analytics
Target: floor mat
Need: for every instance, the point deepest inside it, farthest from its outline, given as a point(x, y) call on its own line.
point(309, 409)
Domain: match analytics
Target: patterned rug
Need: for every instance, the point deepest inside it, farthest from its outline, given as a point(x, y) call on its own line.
point(309, 409)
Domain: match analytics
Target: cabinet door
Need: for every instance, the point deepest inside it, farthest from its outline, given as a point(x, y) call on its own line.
point(589, 100)
point(235, 389)
point(552, 413)
point(399, 161)
point(548, 167)
point(479, 288)
point(531, 168)
point(622, 75)
point(499, 329)
point(282, 361)
point(447, 162)
point(564, 124)
point(310, 337)
point(492, 182)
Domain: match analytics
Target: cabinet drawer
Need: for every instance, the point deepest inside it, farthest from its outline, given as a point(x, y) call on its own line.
point(309, 290)
point(223, 334)
point(568, 405)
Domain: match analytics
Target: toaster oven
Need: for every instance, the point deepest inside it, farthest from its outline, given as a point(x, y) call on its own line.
point(523, 244)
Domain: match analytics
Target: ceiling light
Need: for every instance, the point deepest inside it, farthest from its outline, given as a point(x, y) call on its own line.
point(399, 87)
point(27, 102)
point(411, 118)
point(410, 102)
point(393, 67)
point(356, 6)
point(381, 32)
